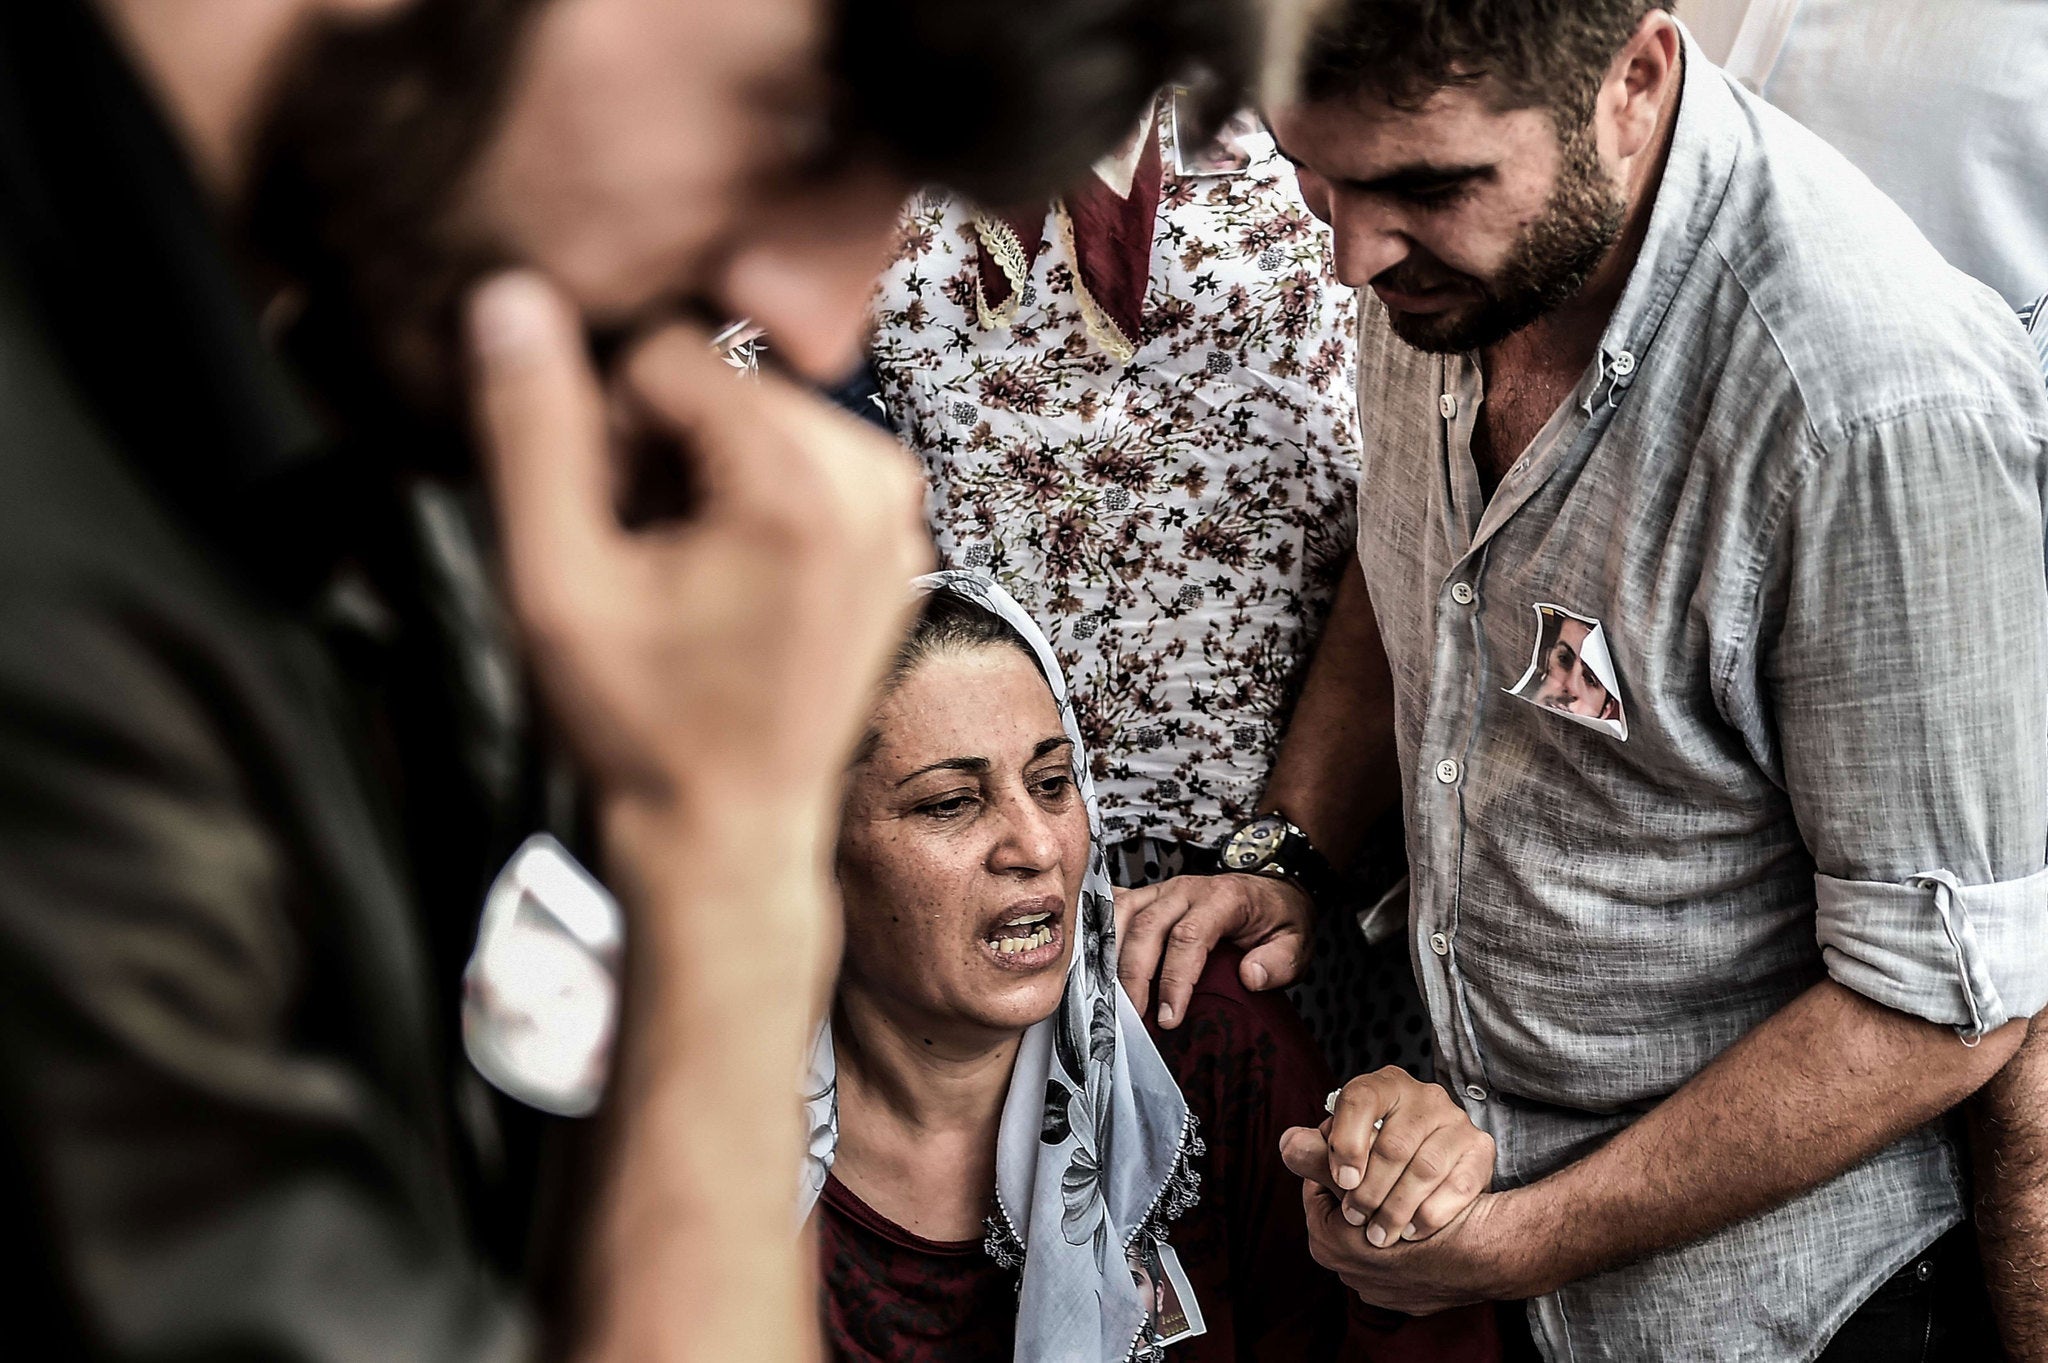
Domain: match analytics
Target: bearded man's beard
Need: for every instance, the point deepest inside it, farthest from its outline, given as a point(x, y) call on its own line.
point(354, 202)
point(1547, 268)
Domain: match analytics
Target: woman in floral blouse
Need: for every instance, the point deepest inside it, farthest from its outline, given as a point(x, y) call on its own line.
point(1137, 409)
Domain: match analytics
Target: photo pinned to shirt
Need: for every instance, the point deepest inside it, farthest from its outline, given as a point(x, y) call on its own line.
point(1230, 152)
point(1572, 672)
point(1171, 1312)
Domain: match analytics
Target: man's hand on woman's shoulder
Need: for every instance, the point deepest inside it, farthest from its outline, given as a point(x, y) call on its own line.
point(1166, 931)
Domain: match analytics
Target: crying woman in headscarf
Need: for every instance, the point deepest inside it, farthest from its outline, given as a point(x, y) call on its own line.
point(1004, 1162)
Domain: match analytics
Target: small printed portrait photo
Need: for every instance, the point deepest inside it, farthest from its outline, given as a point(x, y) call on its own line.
point(1572, 673)
point(1227, 153)
point(1171, 1313)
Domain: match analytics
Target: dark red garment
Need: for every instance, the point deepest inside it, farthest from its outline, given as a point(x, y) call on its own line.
point(892, 1295)
point(1112, 241)
point(1249, 1071)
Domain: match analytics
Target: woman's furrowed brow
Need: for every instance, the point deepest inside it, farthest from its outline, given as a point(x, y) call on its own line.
point(978, 766)
point(981, 766)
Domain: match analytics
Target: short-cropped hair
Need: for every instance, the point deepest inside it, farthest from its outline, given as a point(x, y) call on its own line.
point(1550, 54)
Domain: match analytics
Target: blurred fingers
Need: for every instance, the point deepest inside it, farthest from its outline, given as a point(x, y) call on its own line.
point(540, 421)
point(769, 448)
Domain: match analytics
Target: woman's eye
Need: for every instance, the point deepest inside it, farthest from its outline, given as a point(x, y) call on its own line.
point(1056, 787)
point(952, 807)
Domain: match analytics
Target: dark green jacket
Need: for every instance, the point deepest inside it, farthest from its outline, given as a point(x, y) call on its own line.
point(243, 833)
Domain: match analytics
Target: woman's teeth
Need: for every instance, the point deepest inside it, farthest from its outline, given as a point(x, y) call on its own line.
point(1010, 946)
point(1038, 936)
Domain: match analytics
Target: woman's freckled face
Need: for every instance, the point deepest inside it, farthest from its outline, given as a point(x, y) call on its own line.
point(963, 848)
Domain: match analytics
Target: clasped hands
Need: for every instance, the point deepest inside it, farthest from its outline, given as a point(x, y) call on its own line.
point(1394, 1184)
point(1394, 1187)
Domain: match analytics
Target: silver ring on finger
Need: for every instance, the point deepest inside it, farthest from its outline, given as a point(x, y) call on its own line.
point(1330, 1106)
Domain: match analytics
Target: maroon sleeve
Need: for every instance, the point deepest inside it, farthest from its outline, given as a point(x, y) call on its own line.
point(1249, 1071)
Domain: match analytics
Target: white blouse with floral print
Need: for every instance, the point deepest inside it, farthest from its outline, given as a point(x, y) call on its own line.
point(1176, 524)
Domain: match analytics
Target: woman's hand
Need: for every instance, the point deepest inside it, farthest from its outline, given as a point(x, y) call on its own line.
point(1403, 1158)
point(1170, 929)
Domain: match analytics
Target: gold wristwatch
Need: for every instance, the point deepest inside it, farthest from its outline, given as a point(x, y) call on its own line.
point(1271, 846)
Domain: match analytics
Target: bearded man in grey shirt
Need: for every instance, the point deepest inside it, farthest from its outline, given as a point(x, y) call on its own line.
point(1703, 634)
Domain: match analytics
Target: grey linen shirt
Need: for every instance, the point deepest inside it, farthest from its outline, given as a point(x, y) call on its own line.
point(1800, 492)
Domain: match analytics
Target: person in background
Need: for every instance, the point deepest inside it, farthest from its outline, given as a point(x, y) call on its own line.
point(1005, 1163)
point(2009, 1133)
point(1939, 104)
point(2009, 1130)
point(258, 758)
point(2034, 317)
point(1714, 975)
point(1135, 410)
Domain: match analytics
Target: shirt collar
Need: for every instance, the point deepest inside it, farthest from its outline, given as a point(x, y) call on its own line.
point(1706, 144)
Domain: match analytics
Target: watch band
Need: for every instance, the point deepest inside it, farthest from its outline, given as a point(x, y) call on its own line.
point(1294, 859)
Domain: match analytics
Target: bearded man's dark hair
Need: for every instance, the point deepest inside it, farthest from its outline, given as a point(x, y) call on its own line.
point(1550, 54)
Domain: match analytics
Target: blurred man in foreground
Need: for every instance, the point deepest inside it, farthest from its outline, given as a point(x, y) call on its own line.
point(257, 757)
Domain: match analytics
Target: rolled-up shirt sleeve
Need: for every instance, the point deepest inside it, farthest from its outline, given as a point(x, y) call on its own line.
point(1906, 660)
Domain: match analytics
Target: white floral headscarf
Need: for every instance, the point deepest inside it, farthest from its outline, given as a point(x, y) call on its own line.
point(1095, 1140)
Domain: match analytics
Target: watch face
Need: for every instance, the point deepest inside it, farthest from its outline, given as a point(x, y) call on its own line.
point(1255, 844)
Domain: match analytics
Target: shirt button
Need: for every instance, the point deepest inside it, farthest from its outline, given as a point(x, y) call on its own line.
point(1475, 1093)
point(1440, 944)
point(1624, 364)
point(1448, 405)
point(1447, 771)
point(1462, 593)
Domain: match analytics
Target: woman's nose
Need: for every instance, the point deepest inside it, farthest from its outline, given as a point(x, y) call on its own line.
point(1027, 843)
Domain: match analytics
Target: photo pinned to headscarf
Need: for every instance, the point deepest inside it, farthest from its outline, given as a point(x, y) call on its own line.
point(1572, 672)
point(1230, 152)
point(1171, 1312)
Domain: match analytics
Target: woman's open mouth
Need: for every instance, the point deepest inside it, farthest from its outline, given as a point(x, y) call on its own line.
point(1029, 939)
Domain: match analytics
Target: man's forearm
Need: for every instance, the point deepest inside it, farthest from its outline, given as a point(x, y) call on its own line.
point(2009, 1131)
point(1823, 1085)
point(1337, 769)
point(693, 1250)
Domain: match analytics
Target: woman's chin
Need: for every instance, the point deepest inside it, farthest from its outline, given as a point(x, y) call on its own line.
point(1011, 997)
